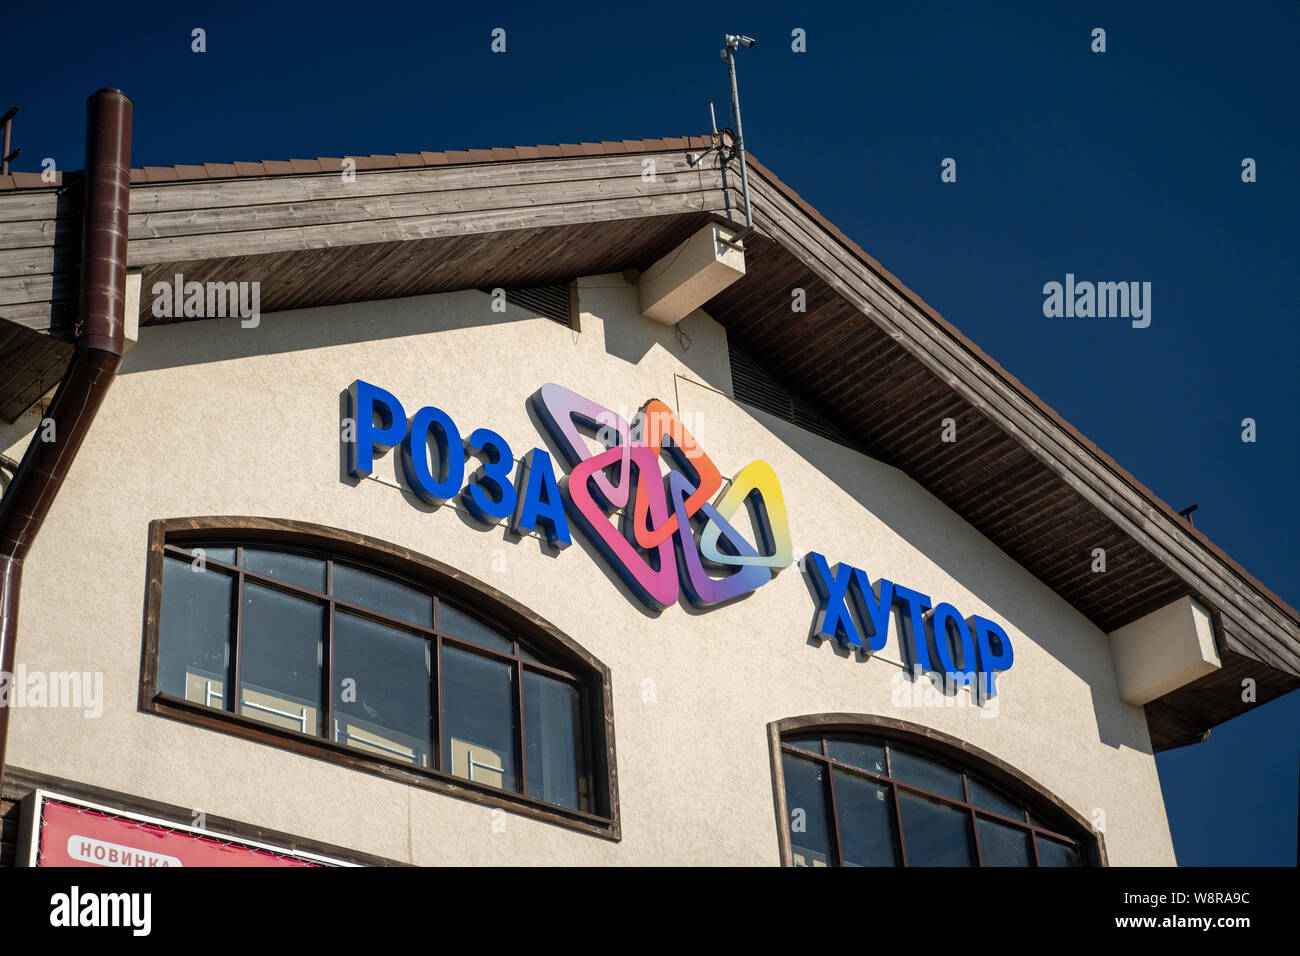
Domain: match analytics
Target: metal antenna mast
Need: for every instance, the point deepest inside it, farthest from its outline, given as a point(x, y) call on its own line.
point(7, 157)
point(735, 41)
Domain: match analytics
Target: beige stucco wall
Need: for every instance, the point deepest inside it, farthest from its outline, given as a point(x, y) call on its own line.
point(212, 418)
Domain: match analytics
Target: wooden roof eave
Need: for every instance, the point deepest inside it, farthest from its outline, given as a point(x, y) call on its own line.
point(1257, 623)
point(422, 228)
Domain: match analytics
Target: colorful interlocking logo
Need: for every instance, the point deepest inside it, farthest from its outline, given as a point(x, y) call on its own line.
point(655, 546)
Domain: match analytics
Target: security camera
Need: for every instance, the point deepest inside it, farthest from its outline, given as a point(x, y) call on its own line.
point(733, 40)
point(748, 41)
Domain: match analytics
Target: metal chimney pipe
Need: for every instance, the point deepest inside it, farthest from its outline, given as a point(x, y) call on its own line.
point(95, 359)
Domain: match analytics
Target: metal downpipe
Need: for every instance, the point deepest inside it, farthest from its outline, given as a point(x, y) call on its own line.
point(95, 360)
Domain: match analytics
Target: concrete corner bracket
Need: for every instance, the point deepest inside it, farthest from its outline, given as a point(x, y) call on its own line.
point(691, 274)
point(1163, 651)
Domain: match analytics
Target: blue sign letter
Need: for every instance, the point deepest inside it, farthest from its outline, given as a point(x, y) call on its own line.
point(873, 610)
point(498, 464)
point(992, 659)
point(364, 400)
point(833, 617)
point(540, 503)
point(433, 422)
point(943, 614)
point(918, 602)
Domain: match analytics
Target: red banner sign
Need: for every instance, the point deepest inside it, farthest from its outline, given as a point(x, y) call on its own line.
point(72, 835)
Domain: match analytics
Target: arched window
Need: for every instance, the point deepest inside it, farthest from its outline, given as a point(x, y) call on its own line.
point(871, 791)
point(355, 650)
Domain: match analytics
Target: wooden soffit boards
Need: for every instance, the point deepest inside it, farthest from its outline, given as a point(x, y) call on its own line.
point(887, 365)
point(1241, 683)
point(319, 226)
point(890, 404)
point(521, 257)
point(40, 256)
point(888, 368)
point(310, 238)
point(31, 363)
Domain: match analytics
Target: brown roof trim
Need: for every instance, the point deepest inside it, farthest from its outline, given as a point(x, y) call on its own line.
point(183, 172)
point(990, 363)
point(323, 164)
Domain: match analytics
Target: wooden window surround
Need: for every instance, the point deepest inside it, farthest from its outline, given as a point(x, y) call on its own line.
point(173, 536)
point(1045, 815)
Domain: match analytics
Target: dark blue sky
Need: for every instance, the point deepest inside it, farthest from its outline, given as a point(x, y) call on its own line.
point(1122, 166)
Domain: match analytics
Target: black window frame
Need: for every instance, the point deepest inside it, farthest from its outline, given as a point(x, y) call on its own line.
point(554, 654)
point(1043, 813)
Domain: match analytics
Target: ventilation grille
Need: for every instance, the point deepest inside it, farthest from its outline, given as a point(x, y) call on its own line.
point(755, 387)
point(550, 301)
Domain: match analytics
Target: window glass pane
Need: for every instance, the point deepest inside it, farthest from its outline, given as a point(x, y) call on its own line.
point(858, 753)
point(381, 690)
point(215, 552)
point(1056, 853)
point(528, 654)
point(293, 568)
point(934, 834)
point(194, 634)
point(805, 801)
point(478, 700)
point(383, 594)
point(460, 624)
point(280, 682)
point(990, 799)
point(812, 743)
point(1003, 845)
point(921, 772)
point(553, 722)
point(864, 814)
